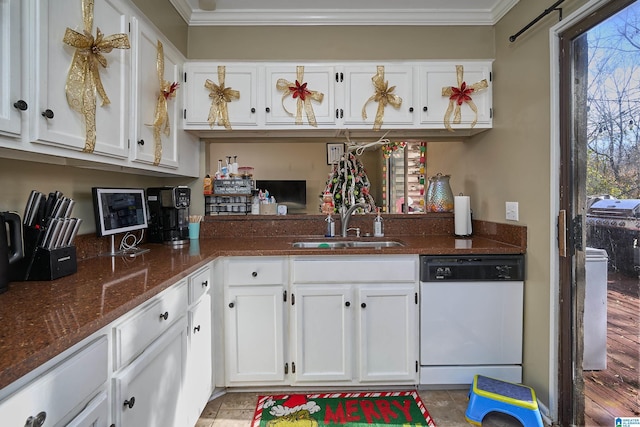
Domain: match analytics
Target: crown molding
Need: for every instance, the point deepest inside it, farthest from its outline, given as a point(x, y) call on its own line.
point(264, 17)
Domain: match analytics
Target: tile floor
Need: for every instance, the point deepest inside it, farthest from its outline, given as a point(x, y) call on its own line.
point(446, 407)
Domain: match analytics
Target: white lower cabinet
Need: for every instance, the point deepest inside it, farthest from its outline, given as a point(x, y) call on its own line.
point(254, 306)
point(338, 321)
point(147, 392)
point(61, 393)
point(95, 414)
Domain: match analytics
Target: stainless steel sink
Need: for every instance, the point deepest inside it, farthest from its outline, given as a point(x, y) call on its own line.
point(345, 244)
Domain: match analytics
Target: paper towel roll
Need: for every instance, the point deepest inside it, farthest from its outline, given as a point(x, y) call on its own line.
point(462, 215)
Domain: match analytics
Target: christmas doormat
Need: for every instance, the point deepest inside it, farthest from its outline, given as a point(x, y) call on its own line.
point(403, 408)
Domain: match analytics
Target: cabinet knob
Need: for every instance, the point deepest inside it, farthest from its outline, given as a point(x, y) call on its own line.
point(47, 114)
point(268, 110)
point(20, 105)
point(205, 283)
point(130, 402)
point(141, 142)
point(363, 305)
point(231, 305)
point(164, 315)
point(254, 274)
point(411, 109)
point(37, 421)
point(253, 110)
point(196, 329)
point(348, 304)
point(425, 108)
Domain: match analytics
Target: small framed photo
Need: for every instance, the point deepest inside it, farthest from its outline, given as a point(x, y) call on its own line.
point(334, 152)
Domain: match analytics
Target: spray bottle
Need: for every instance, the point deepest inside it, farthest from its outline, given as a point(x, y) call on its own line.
point(378, 228)
point(331, 226)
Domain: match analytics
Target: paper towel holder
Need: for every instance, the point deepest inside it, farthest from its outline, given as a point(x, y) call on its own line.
point(463, 217)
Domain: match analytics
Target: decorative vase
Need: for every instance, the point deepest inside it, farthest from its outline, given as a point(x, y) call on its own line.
point(439, 196)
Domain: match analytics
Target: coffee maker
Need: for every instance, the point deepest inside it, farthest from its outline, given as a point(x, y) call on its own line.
point(169, 215)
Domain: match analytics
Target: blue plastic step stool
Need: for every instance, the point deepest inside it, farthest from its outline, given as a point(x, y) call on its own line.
point(491, 395)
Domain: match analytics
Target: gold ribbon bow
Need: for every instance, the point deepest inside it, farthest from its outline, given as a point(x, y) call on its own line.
point(83, 80)
point(383, 96)
point(303, 95)
point(461, 95)
point(220, 96)
point(161, 115)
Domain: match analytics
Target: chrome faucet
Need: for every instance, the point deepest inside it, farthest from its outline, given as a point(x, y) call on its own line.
point(346, 216)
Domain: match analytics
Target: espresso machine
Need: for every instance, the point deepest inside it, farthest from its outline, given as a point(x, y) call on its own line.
point(169, 215)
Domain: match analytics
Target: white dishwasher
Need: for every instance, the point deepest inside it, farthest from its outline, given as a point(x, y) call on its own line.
point(471, 318)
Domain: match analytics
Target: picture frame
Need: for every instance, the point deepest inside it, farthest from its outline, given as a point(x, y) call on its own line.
point(335, 151)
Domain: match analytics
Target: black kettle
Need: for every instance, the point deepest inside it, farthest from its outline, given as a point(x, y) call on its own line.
point(10, 245)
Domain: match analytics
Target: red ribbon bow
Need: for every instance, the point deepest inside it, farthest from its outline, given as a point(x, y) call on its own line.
point(462, 94)
point(172, 89)
point(299, 90)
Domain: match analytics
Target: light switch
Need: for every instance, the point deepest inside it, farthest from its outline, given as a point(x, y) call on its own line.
point(511, 211)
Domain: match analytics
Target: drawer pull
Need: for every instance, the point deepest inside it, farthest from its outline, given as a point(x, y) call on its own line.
point(48, 114)
point(348, 304)
point(37, 421)
point(196, 329)
point(141, 142)
point(363, 305)
point(254, 274)
point(164, 315)
point(205, 283)
point(130, 402)
point(20, 105)
point(231, 305)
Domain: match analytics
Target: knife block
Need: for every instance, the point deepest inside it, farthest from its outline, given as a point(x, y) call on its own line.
point(51, 264)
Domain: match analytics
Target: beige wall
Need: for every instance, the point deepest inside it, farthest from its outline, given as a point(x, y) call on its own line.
point(167, 19)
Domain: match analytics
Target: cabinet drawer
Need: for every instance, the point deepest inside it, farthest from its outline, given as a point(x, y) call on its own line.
point(152, 319)
point(60, 390)
point(199, 284)
point(255, 271)
point(355, 269)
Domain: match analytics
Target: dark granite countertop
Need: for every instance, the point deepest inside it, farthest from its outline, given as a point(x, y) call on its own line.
point(42, 319)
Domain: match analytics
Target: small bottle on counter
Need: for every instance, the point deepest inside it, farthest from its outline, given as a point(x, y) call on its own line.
point(331, 226)
point(378, 227)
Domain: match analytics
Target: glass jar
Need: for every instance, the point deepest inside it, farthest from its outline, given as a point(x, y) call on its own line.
point(439, 196)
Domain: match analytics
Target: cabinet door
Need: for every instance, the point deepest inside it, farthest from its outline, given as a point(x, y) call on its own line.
point(433, 105)
point(146, 87)
point(254, 334)
point(10, 67)
point(322, 329)
point(242, 78)
point(66, 127)
point(359, 88)
point(318, 78)
point(388, 332)
point(199, 376)
point(147, 392)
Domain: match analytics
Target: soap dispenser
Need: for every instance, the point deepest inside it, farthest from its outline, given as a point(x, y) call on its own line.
point(331, 226)
point(378, 228)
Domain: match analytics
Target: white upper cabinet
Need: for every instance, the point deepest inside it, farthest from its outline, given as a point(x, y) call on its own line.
point(240, 85)
point(434, 106)
point(304, 102)
point(389, 83)
point(12, 97)
point(146, 84)
point(54, 120)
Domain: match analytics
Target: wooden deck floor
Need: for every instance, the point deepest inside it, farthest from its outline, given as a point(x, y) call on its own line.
point(614, 392)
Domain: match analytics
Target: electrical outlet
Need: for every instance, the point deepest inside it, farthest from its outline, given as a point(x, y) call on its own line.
point(511, 211)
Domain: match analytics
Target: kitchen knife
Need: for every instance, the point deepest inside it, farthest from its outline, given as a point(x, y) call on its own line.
point(66, 232)
point(29, 207)
point(70, 204)
point(47, 233)
point(57, 208)
point(51, 201)
point(63, 229)
point(53, 237)
point(76, 228)
point(33, 212)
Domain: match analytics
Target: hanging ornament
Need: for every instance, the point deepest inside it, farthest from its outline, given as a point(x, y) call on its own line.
point(298, 90)
point(383, 95)
point(161, 116)
point(83, 79)
point(220, 97)
point(461, 95)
